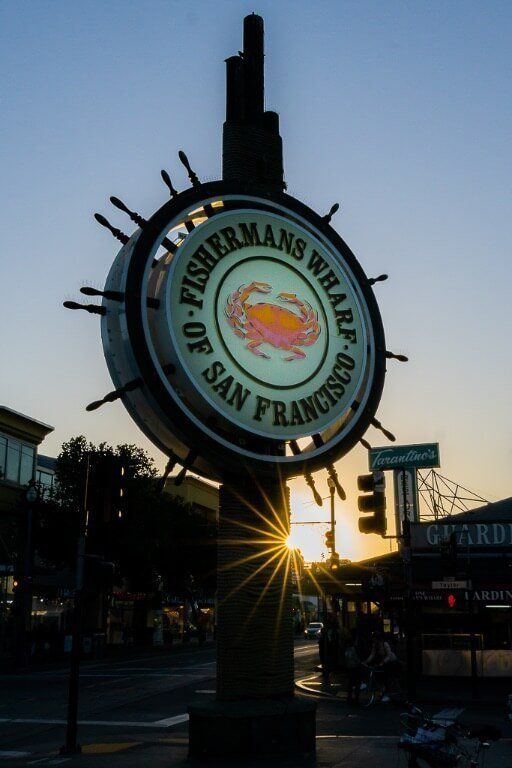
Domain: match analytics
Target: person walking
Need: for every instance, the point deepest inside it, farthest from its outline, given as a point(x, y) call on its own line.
point(354, 668)
point(329, 646)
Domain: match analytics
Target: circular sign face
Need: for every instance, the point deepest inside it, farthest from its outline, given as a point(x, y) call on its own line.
point(267, 324)
point(253, 337)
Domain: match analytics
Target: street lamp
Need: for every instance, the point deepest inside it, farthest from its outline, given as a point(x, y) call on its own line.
point(31, 493)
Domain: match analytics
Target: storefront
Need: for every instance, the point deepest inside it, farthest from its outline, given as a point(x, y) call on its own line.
point(461, 570)
point(457, 585)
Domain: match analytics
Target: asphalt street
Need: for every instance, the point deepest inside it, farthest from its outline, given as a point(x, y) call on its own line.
point(133, 713)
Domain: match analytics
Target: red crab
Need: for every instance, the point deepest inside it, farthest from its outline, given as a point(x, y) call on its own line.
point(266, 323)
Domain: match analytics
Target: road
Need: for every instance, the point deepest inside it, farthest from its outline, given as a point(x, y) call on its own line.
point(133, 712)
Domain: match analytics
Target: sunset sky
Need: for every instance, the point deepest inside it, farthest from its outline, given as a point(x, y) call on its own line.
point(401, 112)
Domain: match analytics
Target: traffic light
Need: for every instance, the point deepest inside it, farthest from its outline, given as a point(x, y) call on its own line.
point(107, 488)
point(334, 561)
point(457, 601)
point(118, 488)
point(374, 486)
point(329, 540)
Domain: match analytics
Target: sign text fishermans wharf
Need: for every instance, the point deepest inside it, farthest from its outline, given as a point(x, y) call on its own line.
point(274, 345)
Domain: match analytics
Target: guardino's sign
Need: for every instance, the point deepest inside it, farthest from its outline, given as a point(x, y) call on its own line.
point(426, 535)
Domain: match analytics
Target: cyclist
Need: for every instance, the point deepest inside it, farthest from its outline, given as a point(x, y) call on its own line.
point(383, 656)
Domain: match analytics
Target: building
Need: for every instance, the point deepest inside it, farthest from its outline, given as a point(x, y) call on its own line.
point(179, 609)
point(198, 607)
point(461, 571)
point(203, 496)
point(20, 438)
point(456, 583)
point(46, 468)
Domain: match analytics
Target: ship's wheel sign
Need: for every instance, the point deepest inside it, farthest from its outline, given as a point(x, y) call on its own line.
point(240, 328)
point(268, 325)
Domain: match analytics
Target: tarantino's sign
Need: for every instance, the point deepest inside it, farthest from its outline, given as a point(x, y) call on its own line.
point(268, 325)
point(404, 456)
point(427, 535)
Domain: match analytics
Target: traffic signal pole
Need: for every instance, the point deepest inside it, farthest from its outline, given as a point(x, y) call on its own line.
point(72, 747)
point(409, 613)
point(333, 520)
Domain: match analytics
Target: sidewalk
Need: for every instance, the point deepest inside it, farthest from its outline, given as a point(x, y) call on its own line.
point(171, 752)
point(429, 690)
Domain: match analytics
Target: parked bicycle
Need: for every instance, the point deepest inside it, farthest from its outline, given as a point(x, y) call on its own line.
point(432, 743)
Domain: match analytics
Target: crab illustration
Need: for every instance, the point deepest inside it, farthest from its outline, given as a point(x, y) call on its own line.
point(266, 323)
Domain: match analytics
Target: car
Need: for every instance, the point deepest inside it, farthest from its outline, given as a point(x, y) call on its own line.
point(313, 630)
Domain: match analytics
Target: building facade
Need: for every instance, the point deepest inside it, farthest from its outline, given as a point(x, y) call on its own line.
point(20, 438)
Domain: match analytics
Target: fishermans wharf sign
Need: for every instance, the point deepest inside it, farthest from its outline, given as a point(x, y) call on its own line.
point(267, 324)
point(255, 328)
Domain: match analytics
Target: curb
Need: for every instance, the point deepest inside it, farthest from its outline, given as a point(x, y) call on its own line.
point(302, 685)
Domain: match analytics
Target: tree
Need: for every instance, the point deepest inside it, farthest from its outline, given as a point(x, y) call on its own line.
point(157, 537)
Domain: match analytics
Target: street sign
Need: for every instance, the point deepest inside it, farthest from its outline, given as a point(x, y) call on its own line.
point(404, 456)
point(406, 497)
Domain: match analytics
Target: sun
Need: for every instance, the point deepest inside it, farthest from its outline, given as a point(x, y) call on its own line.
point(288, 542)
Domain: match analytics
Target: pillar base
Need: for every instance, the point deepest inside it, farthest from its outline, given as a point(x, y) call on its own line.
point(252, 728)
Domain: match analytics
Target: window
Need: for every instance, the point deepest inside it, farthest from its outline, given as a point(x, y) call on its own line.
point(16, 461)
point(45, 481)
point(12, 471)
point(26, 464)
point(3, 454)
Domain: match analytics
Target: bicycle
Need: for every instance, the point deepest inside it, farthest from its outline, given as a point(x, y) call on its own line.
point(372, 689)
point(443, 745)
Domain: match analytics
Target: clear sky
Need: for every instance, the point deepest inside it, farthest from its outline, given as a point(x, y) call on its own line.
point(400, 111)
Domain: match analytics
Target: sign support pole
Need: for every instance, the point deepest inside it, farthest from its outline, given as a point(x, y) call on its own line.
point(163, 315)
point(255, 712)
point(409, 640)
point(255, 635)
point(71, 746)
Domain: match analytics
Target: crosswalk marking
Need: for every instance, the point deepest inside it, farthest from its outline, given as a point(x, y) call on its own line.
point(166, 722)
point(12, 753)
